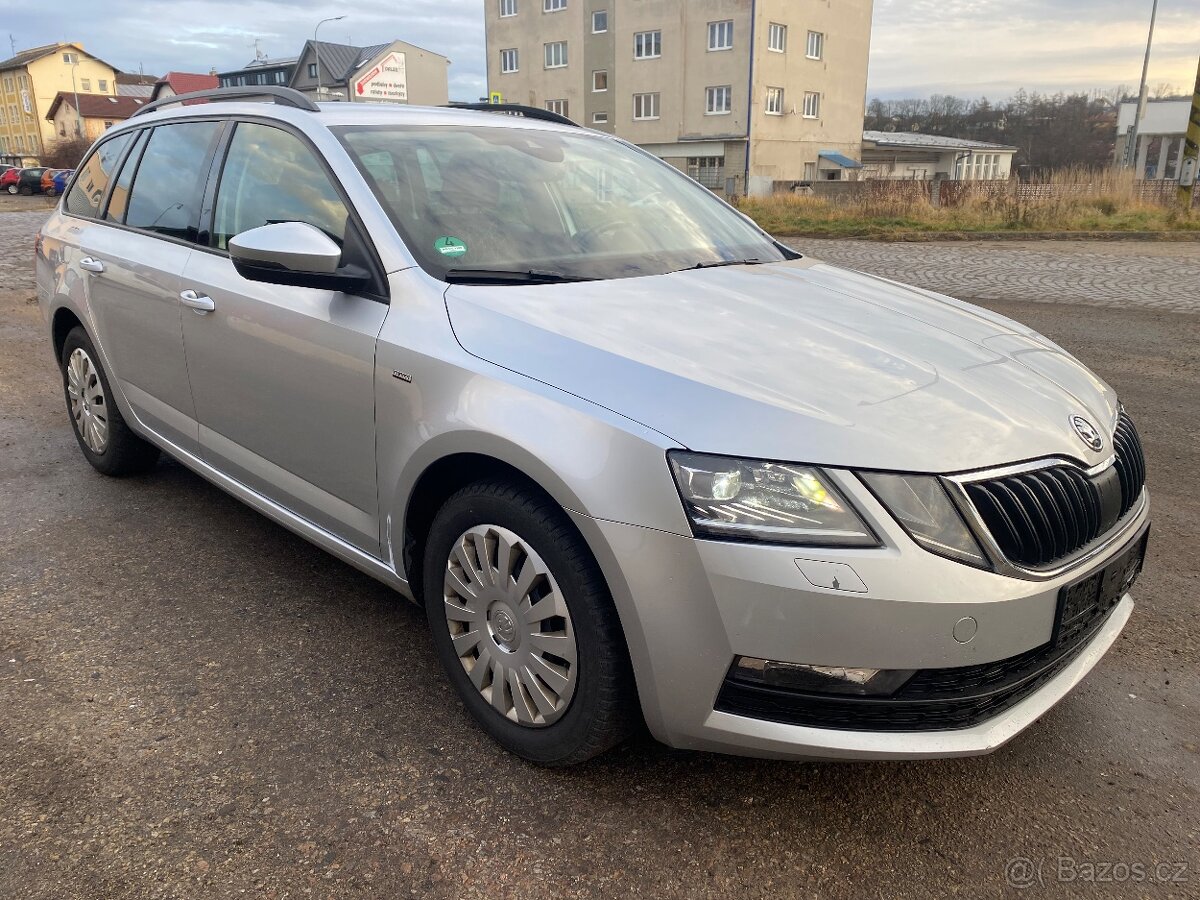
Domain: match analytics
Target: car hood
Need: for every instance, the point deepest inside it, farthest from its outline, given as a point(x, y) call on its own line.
point(797, 361)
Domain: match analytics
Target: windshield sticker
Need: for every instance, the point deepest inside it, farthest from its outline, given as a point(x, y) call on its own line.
point(450, 246)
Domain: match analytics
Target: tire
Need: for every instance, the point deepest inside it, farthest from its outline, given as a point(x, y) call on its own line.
point(26, 190)
point(12, 189)
point(112, 449)
point(599, 710)
point(50, 192)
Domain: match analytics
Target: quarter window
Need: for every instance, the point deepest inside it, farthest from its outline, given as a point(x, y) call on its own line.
point(600, 21)
point(270, 176)
point(816, 45)
point(719, 100)
point(720, 35)
point(647, 45)
point(508, 61)
point(118, 200)
point(812, 105)
point(166, 189)
point(774, 101)
point(556, 55)
point(645, 106)
point(88, 191)
point(777, 38)
point(508, 8)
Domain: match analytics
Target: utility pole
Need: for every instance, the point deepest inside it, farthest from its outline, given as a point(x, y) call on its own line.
point(1131, 139)
point(1191, 149)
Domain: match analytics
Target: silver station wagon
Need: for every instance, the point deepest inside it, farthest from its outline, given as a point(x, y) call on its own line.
point(638, 460)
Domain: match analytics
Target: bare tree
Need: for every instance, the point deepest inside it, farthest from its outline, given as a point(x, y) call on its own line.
point(67, 153)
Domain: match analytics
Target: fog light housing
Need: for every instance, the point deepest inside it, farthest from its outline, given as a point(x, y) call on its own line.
point(840, 680)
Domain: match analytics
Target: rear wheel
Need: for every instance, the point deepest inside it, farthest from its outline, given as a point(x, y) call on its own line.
point(524, 625)
point(50, 192)
point(26, 190)
point(107, 442)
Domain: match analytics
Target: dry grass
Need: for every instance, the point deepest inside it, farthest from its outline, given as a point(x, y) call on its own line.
point(1074, 200)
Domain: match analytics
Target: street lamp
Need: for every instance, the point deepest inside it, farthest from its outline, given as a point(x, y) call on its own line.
point(75, 90)
point(317, 48)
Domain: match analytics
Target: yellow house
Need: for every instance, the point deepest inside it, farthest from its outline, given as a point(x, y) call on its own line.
point(29, 84)
point(94, 115)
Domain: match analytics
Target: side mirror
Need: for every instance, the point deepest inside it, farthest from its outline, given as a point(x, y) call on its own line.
point(294, 254)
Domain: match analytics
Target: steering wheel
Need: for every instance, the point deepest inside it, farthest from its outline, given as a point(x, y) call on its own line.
point(585, 237)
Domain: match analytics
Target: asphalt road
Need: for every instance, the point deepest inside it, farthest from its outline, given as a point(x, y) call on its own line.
point(195, 703)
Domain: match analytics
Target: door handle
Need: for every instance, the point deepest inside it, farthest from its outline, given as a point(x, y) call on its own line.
point(91, 265)
point(199, 303)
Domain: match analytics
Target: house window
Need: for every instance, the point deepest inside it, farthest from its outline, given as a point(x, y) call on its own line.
point(812, 105)
point(777, 38)
point(645, 106)
point(557, 106)
point(508, 8)
point(554, 5)
point(68, 58)
point(281, 77)
point(103, 86)
point(720, 35)
point(718, 100)
point(816, 45)
point(312, 70)
point(810, 171)
point(600, 118)
point(600, 21)
point(556, 55)
point(85, 84)
point(708, 170)
point(508, 61)
point(599, 81)
point(647, 45)
point(107, 125)
point(774, 101)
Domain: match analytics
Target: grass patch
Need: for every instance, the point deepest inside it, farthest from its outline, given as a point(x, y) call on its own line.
point(1076, 200)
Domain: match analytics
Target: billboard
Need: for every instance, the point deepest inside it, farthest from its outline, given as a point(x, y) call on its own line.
point(384, 81)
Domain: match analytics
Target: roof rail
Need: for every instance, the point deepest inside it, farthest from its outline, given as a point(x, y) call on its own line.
point(517, 109)
point(281, 95)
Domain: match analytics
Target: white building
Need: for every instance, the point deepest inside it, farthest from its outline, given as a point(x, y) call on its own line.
point(923, 157)
point(1160, 137)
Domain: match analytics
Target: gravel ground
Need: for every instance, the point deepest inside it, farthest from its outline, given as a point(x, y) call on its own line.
point(195, 703)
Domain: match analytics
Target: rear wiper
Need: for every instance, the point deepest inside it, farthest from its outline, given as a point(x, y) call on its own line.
point(508, 276)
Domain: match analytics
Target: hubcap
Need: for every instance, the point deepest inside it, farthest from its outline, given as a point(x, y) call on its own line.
point(510, 625)
point(89, 407)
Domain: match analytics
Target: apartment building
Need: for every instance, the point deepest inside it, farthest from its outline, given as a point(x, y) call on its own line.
point(29, 84)
point(744, 95)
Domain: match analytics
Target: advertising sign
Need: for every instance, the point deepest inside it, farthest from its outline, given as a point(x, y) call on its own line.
point(385, 81)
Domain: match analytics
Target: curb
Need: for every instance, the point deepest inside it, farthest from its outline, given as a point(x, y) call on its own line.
point(932, 236)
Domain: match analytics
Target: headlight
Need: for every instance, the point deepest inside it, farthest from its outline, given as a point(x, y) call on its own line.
point(765, 501)
point(921, 505)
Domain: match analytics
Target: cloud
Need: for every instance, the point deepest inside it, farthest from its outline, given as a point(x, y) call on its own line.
point(968, 47)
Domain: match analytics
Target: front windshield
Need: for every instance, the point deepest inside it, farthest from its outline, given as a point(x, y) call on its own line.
point(527, 200)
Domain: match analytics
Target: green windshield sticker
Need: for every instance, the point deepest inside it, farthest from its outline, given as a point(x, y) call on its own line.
point(450, 246)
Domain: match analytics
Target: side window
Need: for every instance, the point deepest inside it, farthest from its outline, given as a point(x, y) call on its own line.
point(88, 191)
point(166, 190)
point(118, 200)
point(271, 176)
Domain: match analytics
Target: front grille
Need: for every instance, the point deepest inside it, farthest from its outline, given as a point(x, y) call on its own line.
point(1038, 518)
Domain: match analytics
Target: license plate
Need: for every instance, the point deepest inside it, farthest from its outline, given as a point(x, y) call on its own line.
point(1081, 603)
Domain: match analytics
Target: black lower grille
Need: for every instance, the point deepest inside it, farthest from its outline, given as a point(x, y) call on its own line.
point(1041, 517)
point(957, 697)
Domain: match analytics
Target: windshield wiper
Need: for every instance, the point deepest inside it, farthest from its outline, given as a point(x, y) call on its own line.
point(508, 276)
point(750, 261)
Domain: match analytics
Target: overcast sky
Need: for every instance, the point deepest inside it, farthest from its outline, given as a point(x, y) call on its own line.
point(919, 47)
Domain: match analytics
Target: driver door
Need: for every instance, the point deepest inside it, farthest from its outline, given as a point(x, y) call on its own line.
point(283, 377)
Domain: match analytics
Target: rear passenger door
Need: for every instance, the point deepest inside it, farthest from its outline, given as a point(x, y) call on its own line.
point(152, 221)
point(283, 377)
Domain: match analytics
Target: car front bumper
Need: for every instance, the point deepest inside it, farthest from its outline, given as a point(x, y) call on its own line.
point(689, 607)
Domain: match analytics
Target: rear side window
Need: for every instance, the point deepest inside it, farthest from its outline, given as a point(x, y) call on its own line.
point(165, 198)
point(87, 193)
point(118, 200)
point(271, 176)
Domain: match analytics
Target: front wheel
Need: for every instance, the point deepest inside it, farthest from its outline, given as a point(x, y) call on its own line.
point(524, 625)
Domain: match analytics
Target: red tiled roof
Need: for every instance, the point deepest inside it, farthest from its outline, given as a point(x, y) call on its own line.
point(98, 106)
point(185, 82)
